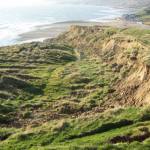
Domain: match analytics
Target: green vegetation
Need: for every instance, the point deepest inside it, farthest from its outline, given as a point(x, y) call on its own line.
point(144, 16)
point(81, 133)
point(72, 92)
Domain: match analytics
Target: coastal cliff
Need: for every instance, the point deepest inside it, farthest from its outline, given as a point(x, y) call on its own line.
point(86, 89)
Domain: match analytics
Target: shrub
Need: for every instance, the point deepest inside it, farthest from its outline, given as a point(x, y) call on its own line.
point(145, 115)
point(4, 119)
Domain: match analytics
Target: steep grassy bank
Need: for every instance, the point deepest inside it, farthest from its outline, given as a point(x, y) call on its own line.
point(86, 89)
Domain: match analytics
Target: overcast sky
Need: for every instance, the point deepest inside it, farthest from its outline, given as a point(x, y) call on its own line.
point(15, 3)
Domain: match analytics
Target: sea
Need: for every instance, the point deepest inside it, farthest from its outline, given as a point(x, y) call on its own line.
point(15, 20)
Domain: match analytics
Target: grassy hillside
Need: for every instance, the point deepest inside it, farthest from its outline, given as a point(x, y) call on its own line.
point(86, 89)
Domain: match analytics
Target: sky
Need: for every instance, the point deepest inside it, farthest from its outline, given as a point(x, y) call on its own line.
point(15, 3)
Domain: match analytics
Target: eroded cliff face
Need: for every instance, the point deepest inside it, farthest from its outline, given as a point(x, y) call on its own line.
point(127, 54)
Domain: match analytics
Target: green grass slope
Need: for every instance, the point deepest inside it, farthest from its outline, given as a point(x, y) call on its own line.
point(86, 89)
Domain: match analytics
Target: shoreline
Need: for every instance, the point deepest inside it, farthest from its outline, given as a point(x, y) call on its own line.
point(43, 32)
point(52, 30)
